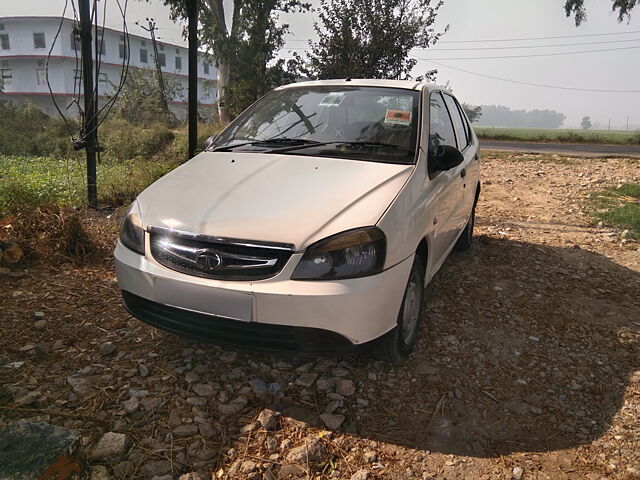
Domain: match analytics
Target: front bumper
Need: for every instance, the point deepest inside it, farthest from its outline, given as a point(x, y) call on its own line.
point(336, 314)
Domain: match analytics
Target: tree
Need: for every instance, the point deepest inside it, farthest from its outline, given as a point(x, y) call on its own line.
point(474, 113)
point(371, 38)
point(140, 100)
point(249, 43)
point(586, 123)
point(576, 7)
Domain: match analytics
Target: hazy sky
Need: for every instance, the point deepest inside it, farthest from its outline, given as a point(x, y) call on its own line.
point(477, 20)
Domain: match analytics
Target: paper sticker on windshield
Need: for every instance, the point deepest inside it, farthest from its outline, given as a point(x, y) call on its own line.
point(397, 117)
point(332, 100)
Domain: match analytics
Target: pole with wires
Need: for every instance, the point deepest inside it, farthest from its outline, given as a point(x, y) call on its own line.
point(152, 32)
point(90, 126)
point(193, 7)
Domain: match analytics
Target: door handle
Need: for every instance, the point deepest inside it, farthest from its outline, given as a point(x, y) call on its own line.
point(463, 173)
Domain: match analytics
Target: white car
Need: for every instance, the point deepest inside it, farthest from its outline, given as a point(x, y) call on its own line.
point(312, 223)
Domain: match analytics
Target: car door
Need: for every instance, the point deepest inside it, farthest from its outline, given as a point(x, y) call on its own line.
point(446, 186)
point(466, 169)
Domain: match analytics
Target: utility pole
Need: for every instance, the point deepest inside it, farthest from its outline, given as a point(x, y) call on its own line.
point(152, 31)
point(90, 127)
point(193, 6)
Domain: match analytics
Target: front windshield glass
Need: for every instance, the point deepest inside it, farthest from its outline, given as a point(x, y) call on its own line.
point(363, 123)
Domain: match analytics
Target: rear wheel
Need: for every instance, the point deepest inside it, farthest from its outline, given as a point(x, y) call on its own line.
point(396, 345)
point(466, 237)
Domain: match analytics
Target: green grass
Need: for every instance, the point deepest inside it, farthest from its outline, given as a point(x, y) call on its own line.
point(557, 135)
point(27, 182)
point(619, 207)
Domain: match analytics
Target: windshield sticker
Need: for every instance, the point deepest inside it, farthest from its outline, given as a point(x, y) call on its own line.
point(332, 100)
point(397, 117)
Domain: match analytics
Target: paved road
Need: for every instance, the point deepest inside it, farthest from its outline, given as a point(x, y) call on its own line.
point(566, 148)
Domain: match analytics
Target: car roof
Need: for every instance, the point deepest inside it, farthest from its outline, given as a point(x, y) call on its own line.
point(365, 82)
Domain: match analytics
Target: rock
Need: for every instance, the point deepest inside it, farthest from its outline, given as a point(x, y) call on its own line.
point(292, 472)
point(190, 476)
point(206, 453)
point(516, 474)
point(38, 315)
point(332, 421)
point(332, 406)
point(123, 469)
point(110, 445)
point(206, 430)
point(191, 377)
point(248, 466)
point(311, 451)
point(29, 449)
point(268, 419)
point(203, 389)
point(274, 388)
point(534, 339)
point(306, 379)
point(155, 468)
point(186, 430)
point(345, 387)
point(259, 387)
point(228, 357)
point(370, 457)
point(133, 392)
point(250, 427)
point(12, 253)
point(131, 405)
point(99, 472)
point(360, 475)
point(271, 444)
point(233, 407)
point(340, 372)
point(325, 384)
point(27, 398)
point(107, 349)
point(40, 325)
point(143, 370)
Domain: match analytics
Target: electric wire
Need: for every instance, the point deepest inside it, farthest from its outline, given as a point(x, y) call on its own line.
point(541, 38)
point(518, 47)
point(532, 84)
point(552, 54)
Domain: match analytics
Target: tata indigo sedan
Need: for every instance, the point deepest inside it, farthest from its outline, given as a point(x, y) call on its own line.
point(311, 223)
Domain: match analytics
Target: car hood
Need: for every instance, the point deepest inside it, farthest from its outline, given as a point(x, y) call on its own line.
point(271, 197)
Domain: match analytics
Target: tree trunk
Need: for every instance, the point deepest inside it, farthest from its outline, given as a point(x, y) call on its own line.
point(224, 68)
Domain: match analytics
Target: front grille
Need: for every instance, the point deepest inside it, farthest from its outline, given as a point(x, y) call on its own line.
point(217, 258)
point(236, 333)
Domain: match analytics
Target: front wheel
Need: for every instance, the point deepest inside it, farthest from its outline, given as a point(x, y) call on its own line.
point(396, 345)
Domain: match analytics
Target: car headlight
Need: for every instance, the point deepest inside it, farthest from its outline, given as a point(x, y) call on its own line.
point(131, 231)
point(351, 254)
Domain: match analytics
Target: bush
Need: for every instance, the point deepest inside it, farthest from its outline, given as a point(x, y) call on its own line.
point(125, 141)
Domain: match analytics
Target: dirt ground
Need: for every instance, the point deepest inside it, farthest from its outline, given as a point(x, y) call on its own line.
point(528, 365)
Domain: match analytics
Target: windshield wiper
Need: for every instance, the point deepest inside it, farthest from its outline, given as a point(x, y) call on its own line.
point(357, 144)
point(292, 142)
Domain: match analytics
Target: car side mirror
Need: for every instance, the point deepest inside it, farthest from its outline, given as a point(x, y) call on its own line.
point(209, 141)
point(446, 157)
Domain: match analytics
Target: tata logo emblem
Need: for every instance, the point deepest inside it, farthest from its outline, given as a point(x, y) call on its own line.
point(209, 260)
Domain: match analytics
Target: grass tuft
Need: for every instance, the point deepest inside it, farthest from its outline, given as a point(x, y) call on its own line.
point(619, 207)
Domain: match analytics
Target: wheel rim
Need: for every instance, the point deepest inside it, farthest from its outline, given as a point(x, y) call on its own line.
point(410, 310)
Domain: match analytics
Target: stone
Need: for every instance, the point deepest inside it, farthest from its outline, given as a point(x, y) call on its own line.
point(332, 406)
point(345, 387)
point(206, 430)
point(370, 457)
point(40, 325)
point(190, 476)
point(534, 339)
point(131, 405)
point(100, 472)
point(203, 389)
point(27, 398)
point(268, 419)
point(250, 427)
point(248, 466)
point(516, 473)
point(143, 370)
point(233, 407)
point(258, 386)
point(155, 468)
point(191, 377)
point(29, 449)
point(274, 388)
point(306, 379)
point(38, 315)
point(360, 475)
point(107, 349)
point(123, 469)
point(188, 430)
point(311, 451)
point(206, 453)
point(332, 421)
point(228, 357)
point(110, 445)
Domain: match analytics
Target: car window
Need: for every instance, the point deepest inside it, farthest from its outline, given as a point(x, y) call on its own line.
point(458, 123)
point(385, 119)
point(467, 127)
point(441, 129)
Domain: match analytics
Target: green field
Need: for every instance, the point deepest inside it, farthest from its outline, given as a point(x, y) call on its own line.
point(616, 137)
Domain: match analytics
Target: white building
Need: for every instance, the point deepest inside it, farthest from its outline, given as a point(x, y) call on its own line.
point(25, 43)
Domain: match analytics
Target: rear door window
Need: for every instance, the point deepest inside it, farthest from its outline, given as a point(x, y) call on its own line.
point(441, 129)
point(462, 135)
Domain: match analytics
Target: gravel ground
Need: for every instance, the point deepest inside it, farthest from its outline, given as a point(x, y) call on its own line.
point(528, 366)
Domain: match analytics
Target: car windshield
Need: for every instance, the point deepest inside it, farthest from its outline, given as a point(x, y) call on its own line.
point(362, 123)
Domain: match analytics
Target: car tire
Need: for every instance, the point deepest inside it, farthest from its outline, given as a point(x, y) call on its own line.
point(466, 237)
point(396, 345)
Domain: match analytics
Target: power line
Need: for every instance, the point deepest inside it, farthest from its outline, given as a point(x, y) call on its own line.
point(540, 38)
point(554, 54)
point(511, 47)
point(492, 77)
